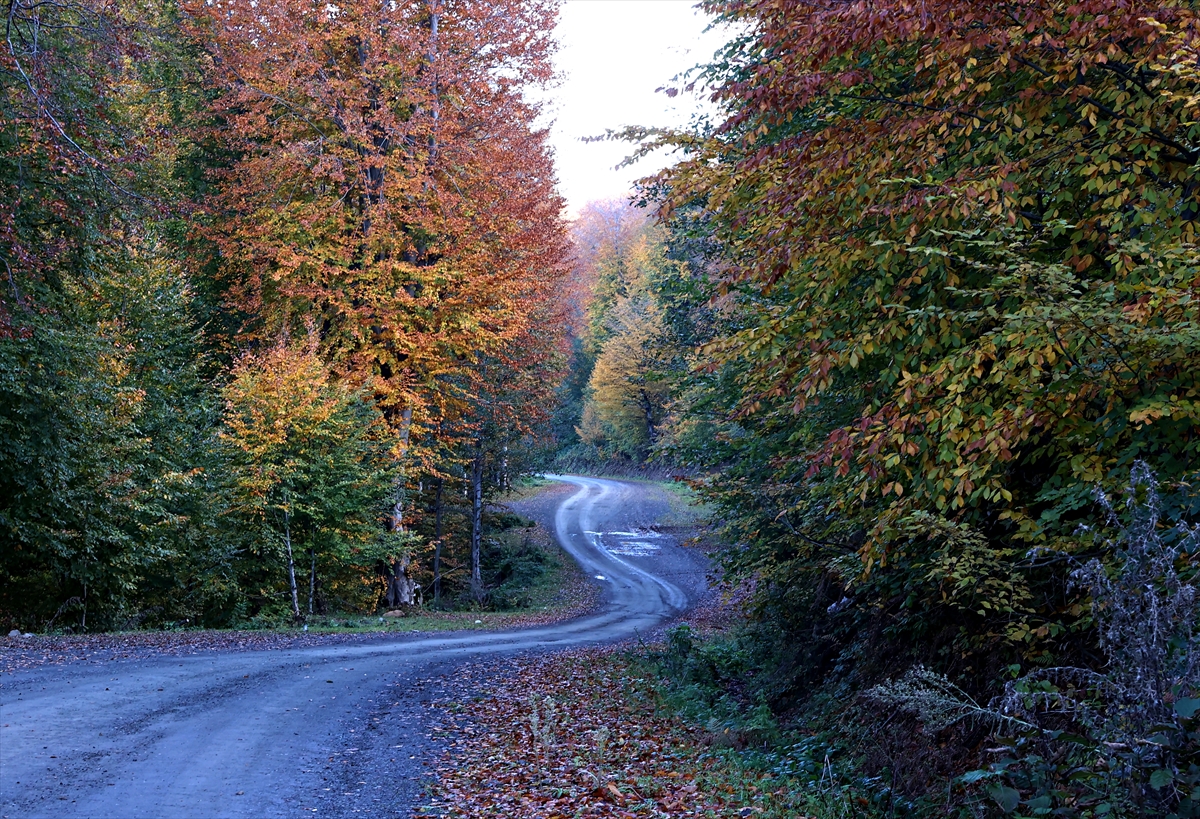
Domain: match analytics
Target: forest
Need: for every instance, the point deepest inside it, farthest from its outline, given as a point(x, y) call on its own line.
point(289, 298)
point(273, 281)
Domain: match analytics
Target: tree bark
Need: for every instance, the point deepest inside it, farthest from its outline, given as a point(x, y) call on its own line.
point(648, 411)
point(287, 540)
point(312, 580)
point(402, 589)
point(435, 112)
point(396, 522)
point(437, 544)
point(477, 520)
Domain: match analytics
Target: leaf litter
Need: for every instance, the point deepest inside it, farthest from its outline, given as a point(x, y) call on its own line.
point(584, 733)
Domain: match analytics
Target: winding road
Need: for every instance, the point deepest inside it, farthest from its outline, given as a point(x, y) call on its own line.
point(338, 730)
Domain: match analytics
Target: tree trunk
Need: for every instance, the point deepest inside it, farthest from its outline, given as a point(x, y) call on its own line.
point(648, 410)
point(477, 520)
point(437, 545)
point(435, 109)
point(396, 522)
point(402, 589)
point(287, 540)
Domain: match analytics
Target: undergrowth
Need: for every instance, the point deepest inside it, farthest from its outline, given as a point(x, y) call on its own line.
point(714, 682)
point(1120, 740)
point(1117, 739)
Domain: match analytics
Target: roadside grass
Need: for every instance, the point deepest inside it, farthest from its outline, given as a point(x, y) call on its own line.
point(526, 487)
point(531, 580)
point(686, 507)
point(594, 733)
point(537, 582)
point(420, 622)
point(561, 596)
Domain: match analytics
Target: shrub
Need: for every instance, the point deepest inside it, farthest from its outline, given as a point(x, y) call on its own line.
point(1123, 740)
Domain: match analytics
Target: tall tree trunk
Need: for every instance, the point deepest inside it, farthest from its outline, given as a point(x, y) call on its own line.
point(396, 521)
point(437, 544)
point(435, 112)
point(287, 540)
point(402, 589)
point(648, 410)
point(400, 585)
point(477, 520)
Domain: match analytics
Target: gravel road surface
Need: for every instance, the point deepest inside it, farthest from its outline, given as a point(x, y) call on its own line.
point(338, 730)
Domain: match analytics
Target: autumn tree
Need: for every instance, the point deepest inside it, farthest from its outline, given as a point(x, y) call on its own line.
point(183, 187)
point(954, 293)
point(105, 423)
point(313, 474)
point(602, 230)
point(389, 184)
point(619, 381)
point(403, 223)
point(508, 422)
point(629, 386)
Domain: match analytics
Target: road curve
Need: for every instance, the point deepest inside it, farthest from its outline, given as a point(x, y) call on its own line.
point(276, 733)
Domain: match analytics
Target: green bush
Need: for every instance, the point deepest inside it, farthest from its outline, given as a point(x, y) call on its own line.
point(512, 570)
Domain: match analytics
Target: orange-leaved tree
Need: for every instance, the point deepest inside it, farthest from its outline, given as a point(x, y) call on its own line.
point(965, 232)
point(386, 182)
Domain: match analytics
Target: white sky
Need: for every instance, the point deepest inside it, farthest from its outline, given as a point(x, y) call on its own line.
point(613, 54)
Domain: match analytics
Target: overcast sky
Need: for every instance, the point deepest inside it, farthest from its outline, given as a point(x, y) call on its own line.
point(613, 54)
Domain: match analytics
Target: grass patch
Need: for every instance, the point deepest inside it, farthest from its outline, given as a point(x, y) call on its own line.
point(417, 621)
point(527, 487)
point(522, 566)
point(530, 580)
point(685, 507)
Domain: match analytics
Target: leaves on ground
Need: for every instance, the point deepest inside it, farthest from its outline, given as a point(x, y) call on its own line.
point(585, 734)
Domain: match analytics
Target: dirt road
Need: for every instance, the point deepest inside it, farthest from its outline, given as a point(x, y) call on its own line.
point(334, 730)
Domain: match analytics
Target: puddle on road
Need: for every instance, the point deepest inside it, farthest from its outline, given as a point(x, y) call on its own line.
point(634, 548)
point(629, 544)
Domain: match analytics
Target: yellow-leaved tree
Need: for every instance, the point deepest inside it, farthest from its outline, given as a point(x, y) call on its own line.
point(311, 463)
point(627, 353)
point(629, 387)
